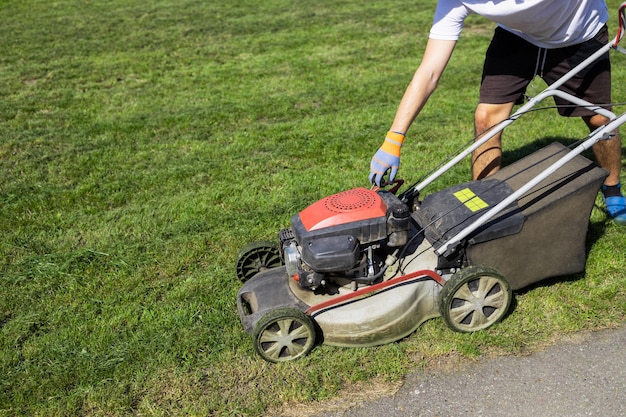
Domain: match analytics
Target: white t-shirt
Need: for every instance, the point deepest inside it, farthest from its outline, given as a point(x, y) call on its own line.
point(544, 23)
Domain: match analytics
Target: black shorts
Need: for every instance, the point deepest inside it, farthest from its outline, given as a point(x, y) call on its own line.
point(511, 63)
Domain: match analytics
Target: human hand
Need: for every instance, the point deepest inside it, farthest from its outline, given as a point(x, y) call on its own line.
point(386, 158)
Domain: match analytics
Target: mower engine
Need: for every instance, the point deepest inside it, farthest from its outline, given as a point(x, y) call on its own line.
point(349, 235)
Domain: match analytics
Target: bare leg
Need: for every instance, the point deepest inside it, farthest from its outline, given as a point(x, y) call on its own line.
point(608, 152)
point(486, 160)
point(608, 155)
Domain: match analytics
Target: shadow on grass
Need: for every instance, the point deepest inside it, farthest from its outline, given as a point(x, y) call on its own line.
point(512, 155)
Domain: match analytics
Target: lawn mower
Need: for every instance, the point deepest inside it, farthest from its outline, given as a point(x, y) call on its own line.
point(365, 267)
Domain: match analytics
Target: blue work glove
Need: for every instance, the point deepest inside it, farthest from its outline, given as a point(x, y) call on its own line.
point(386, 158)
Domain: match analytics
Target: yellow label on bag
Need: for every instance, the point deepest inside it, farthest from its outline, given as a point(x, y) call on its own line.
point(471, 200)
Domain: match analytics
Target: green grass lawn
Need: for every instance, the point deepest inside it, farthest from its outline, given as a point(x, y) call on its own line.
point(142, 144)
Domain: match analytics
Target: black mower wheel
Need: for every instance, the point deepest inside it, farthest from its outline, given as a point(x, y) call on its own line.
point(256, 257)
point(475, 298)
point(283, 335)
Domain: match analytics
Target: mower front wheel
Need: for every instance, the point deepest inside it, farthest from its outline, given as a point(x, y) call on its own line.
point(256, 257)
point(475, 298)
point(284, 334)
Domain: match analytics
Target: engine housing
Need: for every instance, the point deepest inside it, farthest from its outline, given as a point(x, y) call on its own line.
point(332, 234)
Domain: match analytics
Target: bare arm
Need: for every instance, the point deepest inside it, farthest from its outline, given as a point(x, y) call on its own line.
point(387, 158)
point(424, 82)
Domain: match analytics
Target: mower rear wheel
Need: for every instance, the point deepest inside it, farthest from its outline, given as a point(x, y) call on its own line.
point(256, 257)
point(474, 299)
point(284, 334)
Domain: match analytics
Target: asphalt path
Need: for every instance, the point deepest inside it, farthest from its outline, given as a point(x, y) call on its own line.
point(582, 376)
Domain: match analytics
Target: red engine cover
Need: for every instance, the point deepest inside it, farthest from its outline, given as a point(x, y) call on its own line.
point(345, 207)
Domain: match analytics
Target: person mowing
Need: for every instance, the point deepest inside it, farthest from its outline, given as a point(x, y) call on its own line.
point(544, 38)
